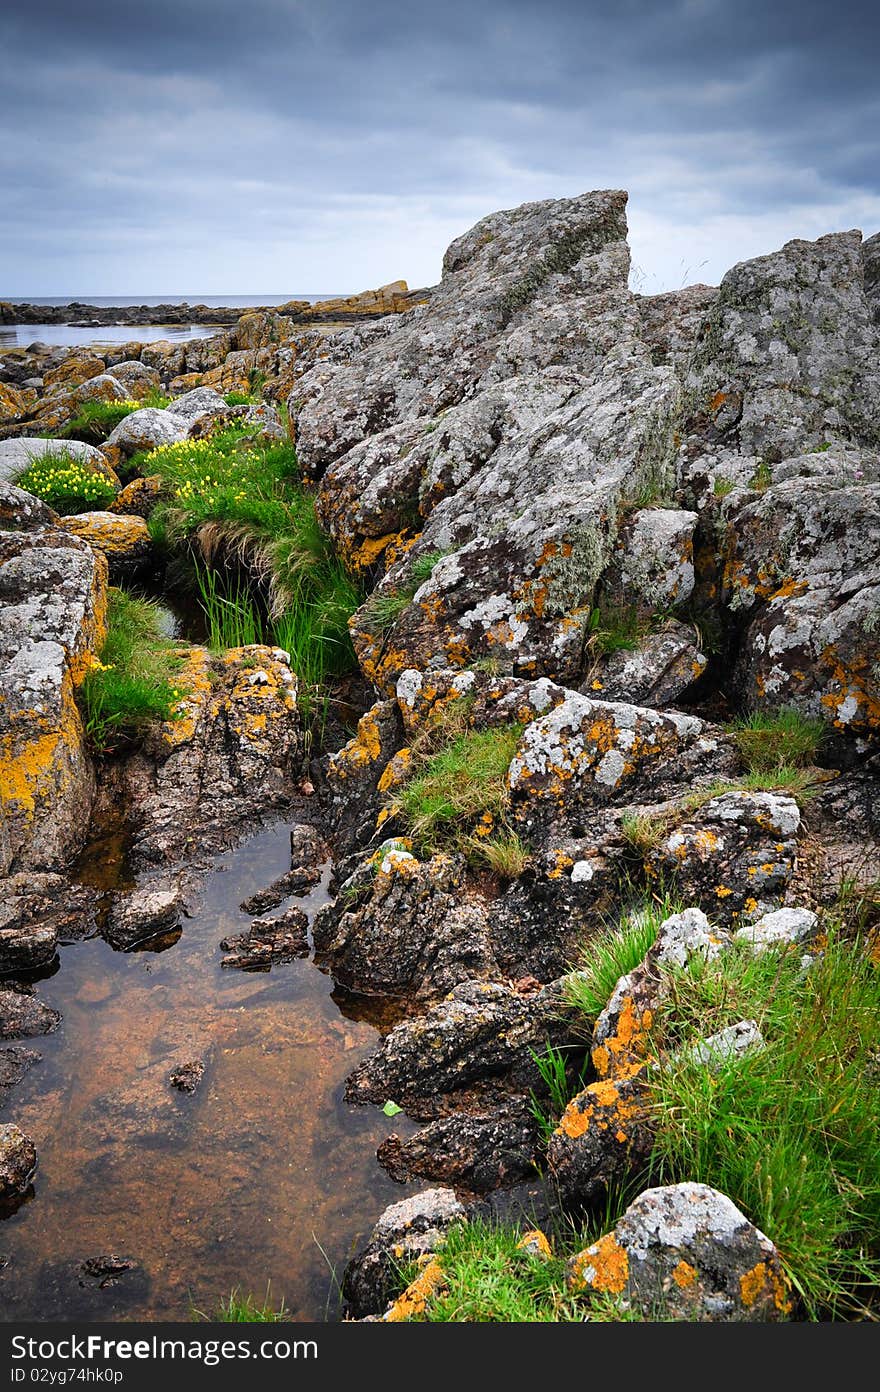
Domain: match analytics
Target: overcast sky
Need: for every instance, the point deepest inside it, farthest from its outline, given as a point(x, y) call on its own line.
point(275, 146)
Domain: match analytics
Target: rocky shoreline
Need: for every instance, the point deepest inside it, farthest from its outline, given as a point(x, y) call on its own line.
point(393, 298)
point(610, 549)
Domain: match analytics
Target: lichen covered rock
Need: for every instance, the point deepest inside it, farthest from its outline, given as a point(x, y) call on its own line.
point(18, 1160)
point(53, 595)
point(684, 1252)
point(405, 1231)
point(125, 541)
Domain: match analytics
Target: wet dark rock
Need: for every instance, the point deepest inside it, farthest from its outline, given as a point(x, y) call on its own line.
point(150, 911)
point(269, 942)
point(36, 912)
point(18, 1160)
point(308, 849)
point(22, 1015)
point(403, 1233)
point(226, 764)
point(186, 1077)
point(14, 1064)
point(293, 882)
point(472, 1049)
point(475, 1152)
point(401, 926)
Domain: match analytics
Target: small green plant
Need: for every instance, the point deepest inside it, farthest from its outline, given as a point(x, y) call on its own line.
point(722, 487)
point(559, 1086)
point(156, 398)
point(613, 952)
point(132, 685)
point(643, 831)
point(240, 398)
point(384, 608)
point(238, 1308)
point(771, 740)
point(422, 566)
point(488, 1278)
point(95, 420)
point(762, 477)
point(66, 483)
point(462, 782)
point(616, 628)
point(503, 852)
point(232, 620)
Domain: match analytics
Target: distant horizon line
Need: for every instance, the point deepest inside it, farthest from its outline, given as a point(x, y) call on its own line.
point(71, 298)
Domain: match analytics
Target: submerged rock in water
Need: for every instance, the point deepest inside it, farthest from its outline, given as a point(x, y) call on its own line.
point(186, 1077)
point(22, 1015)
point(14, 1064)
point(18, 1160)
point(269, 942)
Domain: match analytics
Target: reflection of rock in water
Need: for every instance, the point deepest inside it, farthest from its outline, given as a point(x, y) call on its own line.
point(100, 1287)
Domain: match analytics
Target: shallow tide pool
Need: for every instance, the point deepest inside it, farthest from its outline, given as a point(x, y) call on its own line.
point(263, 1175)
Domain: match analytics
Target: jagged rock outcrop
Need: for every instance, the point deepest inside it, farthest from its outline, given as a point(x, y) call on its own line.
point(53, 598)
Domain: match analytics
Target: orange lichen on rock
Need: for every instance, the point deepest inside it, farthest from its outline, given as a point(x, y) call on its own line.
point(414, 1299)
point(624, 1053)
point(684, 1275)
point(535, 1244)
point(604, 1267)
point(761, 1282)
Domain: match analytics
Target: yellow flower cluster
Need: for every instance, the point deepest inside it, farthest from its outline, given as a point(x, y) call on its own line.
point(52, 479)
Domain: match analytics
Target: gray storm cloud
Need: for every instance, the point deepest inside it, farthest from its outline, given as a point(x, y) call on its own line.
point(281, 147)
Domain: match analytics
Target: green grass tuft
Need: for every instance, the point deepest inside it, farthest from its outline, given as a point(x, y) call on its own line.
point(790, 1132)
point(133, 686)
point(616, 628)
point(95, 420)
point(611, 954)
point(773, 740)
point(238, 1308)
point(460, 783)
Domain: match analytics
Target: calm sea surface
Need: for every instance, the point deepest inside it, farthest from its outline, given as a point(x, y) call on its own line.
point(66, 335)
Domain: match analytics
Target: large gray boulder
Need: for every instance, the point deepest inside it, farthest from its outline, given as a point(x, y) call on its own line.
point(18, 455)
point(147, 429)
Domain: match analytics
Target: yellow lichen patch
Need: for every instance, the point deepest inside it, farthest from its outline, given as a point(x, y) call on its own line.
point(607, 1266)
point(561, 863)
point(535, 1243)
point(193, 680)
point(684, 1275)
point(623, 1053)
point(762, 1281)
point(363, 748)
point(723, 891)
point(369, 551)
point(789, 588)
point(396, 771)
point(873, 947)
point(705, 841)
point(417, 1294)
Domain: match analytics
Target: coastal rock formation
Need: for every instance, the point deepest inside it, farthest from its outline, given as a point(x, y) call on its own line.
point(53, 596)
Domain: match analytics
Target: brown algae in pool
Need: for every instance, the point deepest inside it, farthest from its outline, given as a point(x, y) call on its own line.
point(264, 1174)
